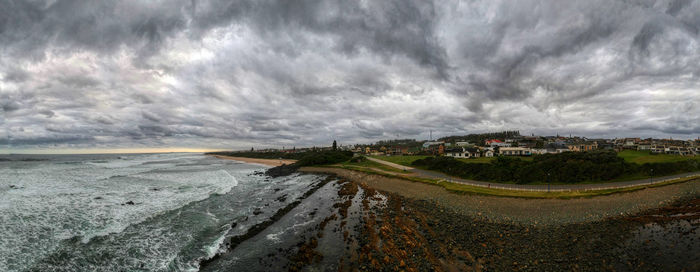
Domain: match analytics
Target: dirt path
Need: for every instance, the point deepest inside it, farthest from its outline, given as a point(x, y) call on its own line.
point(391, 164)
point(540, 188)
point(525, 211)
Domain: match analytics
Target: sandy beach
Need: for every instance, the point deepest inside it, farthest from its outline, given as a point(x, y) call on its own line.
point(268, 162)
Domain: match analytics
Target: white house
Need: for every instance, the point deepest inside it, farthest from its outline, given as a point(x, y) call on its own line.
point(515, 151)
point(462, 152)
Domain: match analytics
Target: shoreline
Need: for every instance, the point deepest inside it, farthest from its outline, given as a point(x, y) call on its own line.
point(390, 224)
point(266, 162)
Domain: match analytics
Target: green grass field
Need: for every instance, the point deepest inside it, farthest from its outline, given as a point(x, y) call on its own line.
point(642, 157)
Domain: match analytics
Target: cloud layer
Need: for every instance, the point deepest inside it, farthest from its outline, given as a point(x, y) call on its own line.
point(231, 74)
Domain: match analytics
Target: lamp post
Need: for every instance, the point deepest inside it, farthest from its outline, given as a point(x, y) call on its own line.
point(547, 182)
point(651, 177)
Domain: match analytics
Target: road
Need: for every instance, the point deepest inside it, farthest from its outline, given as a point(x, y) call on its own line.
point(540, 188)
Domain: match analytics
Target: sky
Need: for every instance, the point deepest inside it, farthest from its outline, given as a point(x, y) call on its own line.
point(219, 75)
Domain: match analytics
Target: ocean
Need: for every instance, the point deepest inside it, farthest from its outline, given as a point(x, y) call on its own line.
point(153, 212)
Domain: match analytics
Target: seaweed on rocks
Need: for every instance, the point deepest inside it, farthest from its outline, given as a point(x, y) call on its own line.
point(305, 255)
point(258, 228)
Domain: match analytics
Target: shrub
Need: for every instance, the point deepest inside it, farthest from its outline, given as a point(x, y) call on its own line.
point(567, 167)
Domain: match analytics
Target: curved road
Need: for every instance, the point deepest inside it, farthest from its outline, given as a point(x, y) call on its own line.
point(540, 188)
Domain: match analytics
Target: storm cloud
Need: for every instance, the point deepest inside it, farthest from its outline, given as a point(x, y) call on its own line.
point(235, 74)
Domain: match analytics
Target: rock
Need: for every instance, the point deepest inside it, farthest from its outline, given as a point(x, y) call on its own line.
point(129, 202)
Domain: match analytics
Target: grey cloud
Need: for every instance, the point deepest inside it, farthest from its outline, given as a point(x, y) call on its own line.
point(216, 74)
point(16, 75)
point(675, 6)
point(151, 117)
point(10, 106)
point(48, 113)
point(46, 140)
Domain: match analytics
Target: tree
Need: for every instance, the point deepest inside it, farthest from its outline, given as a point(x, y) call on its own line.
point(335, 145)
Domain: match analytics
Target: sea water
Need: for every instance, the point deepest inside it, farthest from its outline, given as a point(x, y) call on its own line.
point(136, 212)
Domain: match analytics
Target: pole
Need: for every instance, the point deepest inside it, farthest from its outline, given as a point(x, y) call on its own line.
point(651, 177)
point(547, 182)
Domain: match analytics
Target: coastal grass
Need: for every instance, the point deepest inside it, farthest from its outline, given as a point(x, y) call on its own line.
point(470, 189)
point(642, 157)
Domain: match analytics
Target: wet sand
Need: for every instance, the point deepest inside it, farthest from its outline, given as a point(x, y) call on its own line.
point(267, 162)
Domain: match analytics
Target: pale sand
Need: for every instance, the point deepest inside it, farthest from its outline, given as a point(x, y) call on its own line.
point(268, 162)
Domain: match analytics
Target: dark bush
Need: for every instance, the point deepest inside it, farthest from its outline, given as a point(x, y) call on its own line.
point(567, 167)
point(358, 159)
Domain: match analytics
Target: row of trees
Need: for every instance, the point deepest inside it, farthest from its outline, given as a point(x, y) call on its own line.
point(567, 167)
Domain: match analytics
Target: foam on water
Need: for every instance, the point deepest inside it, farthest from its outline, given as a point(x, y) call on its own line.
point(53, 201)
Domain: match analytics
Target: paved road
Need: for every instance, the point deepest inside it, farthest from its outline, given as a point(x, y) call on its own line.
point(541, 188)
point(391, 164)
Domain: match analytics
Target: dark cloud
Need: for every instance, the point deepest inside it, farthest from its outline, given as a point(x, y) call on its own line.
point(230, 74)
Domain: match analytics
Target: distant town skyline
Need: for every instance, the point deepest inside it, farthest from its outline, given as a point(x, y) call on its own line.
point(284, 147)
point(110, 76)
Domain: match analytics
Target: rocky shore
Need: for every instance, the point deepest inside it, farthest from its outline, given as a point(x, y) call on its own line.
point(400, 231)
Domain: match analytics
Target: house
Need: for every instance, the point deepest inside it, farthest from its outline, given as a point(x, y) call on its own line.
point(644, 147)
point(538, 151)
point(464, 144)
point(456, 152)
point(464, 152)
point(496, 142)
point(397, 150)
point(515, 151)
point(658, 149)
point(581, 147)
point(488, 153)
point(435, 148)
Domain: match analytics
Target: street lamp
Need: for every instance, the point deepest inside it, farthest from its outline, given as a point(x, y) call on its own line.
point(651, 177)
point(547, 182)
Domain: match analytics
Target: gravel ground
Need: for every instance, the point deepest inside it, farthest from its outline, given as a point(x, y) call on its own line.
point(385, 224)
point(535, 212)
